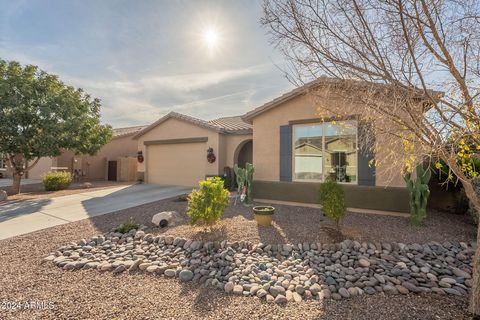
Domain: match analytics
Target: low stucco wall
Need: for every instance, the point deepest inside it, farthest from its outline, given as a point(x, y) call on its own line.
point(43, 166)
point(362, 197)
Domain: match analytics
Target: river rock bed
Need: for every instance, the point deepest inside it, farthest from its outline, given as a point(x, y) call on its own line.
point(284, 272)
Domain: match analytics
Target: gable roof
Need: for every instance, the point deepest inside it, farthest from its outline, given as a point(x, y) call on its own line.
point(321, 81)
point(220, 125)
point(247, 117)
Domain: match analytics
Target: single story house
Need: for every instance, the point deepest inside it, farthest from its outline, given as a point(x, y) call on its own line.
point(291, 148)
point(115, 161)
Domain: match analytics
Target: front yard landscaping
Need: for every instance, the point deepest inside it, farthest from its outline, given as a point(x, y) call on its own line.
point(386, 268)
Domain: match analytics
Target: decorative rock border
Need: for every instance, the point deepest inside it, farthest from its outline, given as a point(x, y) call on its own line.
point(284, 272)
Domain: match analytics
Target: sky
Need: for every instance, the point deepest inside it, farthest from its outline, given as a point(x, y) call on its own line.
point(142, 58)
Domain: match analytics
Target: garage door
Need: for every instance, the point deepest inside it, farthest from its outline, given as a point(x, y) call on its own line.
point(176, 164)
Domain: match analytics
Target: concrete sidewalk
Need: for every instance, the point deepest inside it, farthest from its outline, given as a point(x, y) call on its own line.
point(22, 217)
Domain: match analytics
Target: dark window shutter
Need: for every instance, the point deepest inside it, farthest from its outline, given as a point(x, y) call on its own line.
point(286, 153)
point(366, 173)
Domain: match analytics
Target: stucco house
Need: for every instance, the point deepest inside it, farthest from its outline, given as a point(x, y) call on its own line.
point(292, 150)
point(115, 161)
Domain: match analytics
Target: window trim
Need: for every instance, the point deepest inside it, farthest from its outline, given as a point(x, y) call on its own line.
point(300, 123)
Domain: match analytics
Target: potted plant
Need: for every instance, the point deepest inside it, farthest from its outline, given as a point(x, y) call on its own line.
point(263, 215)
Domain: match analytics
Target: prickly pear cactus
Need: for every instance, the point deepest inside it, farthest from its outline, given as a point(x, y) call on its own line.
point(419, 193)
point(244, 177)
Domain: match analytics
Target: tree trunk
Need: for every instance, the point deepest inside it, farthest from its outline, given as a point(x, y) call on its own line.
point(19, 166)
point(16, 182)
point(475, 293)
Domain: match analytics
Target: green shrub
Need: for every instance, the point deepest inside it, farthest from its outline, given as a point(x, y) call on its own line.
point(332, 199)
point(127, 226)
point(206, 205)
point(54, 181)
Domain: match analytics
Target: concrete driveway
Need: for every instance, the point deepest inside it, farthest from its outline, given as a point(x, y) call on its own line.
point(22, 217)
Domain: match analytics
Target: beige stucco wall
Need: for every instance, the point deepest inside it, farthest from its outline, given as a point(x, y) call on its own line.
point(119, 147)
point(231, 145)
point(178, 129)
point(266, 137)
point(95, 167)
point(43, 166)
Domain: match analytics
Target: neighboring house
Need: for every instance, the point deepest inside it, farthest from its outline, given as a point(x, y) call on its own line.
point(175, 148)
point(115, 161)
point(292, 150)
point(43, 165)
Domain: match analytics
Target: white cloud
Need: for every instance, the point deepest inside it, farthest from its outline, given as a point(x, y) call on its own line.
point(197, 81)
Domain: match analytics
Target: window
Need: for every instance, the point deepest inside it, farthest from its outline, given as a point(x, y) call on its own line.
point(325, 150)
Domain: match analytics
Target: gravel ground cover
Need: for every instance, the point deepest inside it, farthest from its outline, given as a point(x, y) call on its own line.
point(87, 294)
point(293, 224)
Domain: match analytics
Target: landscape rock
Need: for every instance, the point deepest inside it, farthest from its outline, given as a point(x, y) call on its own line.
point(166, 218)
point(238, 290)
point(169, 273)
point(280, 299)
point(229, 287)
point(363, 263)
point(185, 275)
point(279, 273)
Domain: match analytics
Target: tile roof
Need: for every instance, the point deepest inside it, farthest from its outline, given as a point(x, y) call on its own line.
point(321, 81)
point(232, 124)
point(122, 132)
point(222, 125)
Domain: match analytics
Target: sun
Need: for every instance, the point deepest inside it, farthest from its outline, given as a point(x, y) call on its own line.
point(210, 38)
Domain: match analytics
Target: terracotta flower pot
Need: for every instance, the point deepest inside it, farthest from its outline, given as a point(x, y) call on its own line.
point(263, 215)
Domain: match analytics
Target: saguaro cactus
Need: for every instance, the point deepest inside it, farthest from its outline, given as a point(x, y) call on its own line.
point(244, 177)
point(419, 193)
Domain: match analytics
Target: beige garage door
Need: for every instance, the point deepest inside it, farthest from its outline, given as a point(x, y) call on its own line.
point(176, 164)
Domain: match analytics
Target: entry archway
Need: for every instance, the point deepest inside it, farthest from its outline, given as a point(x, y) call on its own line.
point(244, 153)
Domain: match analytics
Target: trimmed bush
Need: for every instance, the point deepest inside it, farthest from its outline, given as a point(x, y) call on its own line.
point(206, 205)
point(332, 199)
point(54, 181)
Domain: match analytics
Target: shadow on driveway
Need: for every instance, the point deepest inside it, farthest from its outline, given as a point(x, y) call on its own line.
point(23, 217)
point(12, 210)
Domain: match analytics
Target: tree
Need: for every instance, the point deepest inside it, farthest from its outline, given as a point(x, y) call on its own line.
point(414, 64)
point(40, 116)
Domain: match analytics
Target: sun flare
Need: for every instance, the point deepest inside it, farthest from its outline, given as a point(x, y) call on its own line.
point(210, 37)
